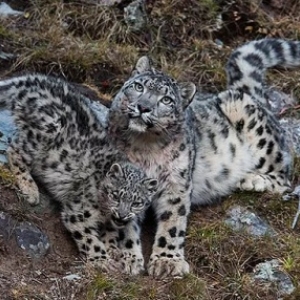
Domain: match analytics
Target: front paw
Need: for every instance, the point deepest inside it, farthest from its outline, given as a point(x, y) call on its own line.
point(162, 267)
point(30, 193)
point(132, 264)
point(108, 265)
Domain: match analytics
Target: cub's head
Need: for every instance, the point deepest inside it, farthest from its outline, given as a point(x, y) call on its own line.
point(129, 192)
point(150, 101)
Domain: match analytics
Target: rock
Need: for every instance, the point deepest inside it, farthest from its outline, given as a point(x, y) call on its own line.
point(72, 277)
point(32, 239)
point(7, 130)
point(271, 272)
point(291, 127)
point(6, 56)
point(240, 218)
point(278, 100)
point(109, 2)
point(101, 112)
point(135, 15)
point(6, 10)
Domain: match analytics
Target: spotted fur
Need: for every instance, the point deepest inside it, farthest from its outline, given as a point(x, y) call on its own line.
point(201, 150)
point(61, 143)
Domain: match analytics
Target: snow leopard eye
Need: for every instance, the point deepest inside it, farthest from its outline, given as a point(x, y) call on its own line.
point(166, 100)
point(138, 87)
point(137, 204)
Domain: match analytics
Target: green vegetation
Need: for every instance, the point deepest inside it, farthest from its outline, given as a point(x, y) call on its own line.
point(6, 177)
point(90, 44)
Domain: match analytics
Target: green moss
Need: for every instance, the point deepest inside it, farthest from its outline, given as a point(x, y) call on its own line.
point(6, 177)
point(188, 287)
point(5, 32)
point(99, 286)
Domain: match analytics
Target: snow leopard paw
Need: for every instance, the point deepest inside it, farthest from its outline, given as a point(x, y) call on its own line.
point(29, 191)
point(162, 267)
point(132, 264)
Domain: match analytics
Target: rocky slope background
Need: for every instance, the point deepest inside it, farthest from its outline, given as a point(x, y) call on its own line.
point(248, 246)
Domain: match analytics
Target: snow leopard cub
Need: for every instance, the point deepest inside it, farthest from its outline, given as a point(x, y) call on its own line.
point(201, 150)
point(61, 144)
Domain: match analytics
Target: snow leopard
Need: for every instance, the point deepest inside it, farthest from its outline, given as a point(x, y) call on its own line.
point(202, 149)
point(61, 144)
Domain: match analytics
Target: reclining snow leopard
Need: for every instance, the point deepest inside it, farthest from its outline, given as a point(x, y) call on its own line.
point(61, 144)
point(202, 150)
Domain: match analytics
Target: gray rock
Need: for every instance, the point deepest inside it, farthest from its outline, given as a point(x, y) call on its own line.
point(278, 100)
point(6, 56)
point(240, 218)
point(72, 277)
point(101, 112)
point(291, 126)
point(6, 10)
point(135, 15)
point(31, 239)
point(271, 272)
point(7, 130)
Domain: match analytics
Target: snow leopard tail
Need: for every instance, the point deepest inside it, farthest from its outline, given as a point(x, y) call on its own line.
point(247, 65)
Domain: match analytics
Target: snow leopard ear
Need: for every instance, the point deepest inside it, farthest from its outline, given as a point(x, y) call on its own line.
point(143, 65)
point(187, 91)
point(115, 172)
point(150, 184)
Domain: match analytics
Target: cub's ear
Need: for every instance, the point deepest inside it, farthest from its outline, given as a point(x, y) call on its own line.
point(150, 184)
point(187, 91)
point(115, 172)
point(143, 65)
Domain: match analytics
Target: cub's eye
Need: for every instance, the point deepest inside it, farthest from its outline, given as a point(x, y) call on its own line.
point(166, 100)
point(138, 87)
point(137, 204)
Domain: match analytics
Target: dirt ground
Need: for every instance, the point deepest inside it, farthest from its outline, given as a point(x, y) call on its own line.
point(90, 45)
point(22, 276)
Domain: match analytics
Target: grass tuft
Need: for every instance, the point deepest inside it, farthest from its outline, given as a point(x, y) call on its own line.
point(7, 179)
point(188, 287)
point(100, 285)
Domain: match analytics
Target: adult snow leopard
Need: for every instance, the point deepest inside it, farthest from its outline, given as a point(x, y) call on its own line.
point(61, 143)
point(202, 150)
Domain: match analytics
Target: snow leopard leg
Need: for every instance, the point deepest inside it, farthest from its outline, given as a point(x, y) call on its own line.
point(19, 163)
point(268, 149)
point(86, 226)
point(131, 247)
point(172, 209)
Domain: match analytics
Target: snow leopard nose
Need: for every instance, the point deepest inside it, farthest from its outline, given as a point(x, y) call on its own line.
point(143, 109)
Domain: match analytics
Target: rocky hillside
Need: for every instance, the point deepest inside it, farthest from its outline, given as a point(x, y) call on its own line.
point(242, 249)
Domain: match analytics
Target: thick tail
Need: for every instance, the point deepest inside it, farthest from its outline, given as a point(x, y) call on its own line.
point(247, 65)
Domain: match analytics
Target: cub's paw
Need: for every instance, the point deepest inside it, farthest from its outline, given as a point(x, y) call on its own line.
point(162, 267)
point(30, 192)
point(132, 264)
point(108, 265)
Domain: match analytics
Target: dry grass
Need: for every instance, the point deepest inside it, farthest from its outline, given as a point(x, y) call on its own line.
point(91, 44)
